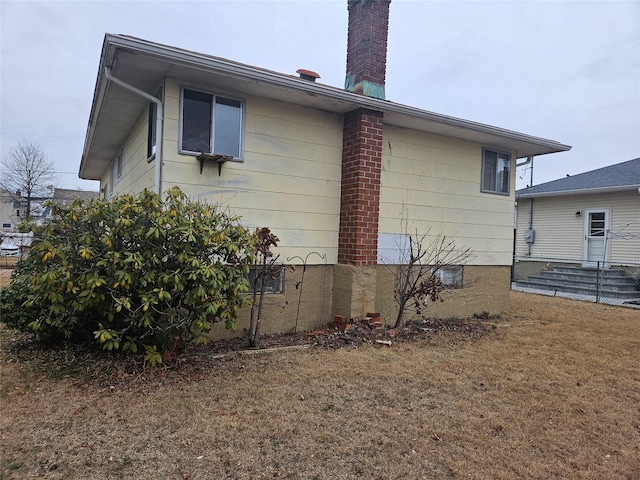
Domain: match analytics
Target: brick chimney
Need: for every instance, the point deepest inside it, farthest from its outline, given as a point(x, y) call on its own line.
point(367, 47)
point(355, 275)
point(360, 187)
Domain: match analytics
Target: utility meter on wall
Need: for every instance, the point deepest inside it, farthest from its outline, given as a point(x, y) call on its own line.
point(530, 236)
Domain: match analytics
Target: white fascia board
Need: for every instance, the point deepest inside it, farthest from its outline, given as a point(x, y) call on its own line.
point(582, 191)
point(96, 106)
point(350, 99)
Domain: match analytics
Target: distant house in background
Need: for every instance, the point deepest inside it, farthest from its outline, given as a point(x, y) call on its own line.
point(13, 205)
point(593, 216)
point(343, 173)
point(11, 210)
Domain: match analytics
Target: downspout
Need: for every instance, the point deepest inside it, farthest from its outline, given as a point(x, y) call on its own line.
point(159, 120)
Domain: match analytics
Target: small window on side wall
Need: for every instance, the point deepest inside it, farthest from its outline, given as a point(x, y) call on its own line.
point(450, 276)
point(274, 283)
point(151, 132)
point(119, 165)
point(496, 172)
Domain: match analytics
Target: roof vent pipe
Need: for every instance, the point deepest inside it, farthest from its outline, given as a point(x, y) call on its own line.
point(307, 74)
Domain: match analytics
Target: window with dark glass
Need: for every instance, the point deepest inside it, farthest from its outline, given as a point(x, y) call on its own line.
point(596, 224)
point(496, 172)
point(273, 281)
point(211, 124)
point(151, 133)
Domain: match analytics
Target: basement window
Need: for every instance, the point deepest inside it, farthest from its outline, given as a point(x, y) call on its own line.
point(210, 124)
point(496, 172)
point(450, 276)
point(274, 283)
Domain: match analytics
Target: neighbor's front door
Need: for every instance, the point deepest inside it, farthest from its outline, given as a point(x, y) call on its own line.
point(596, 227)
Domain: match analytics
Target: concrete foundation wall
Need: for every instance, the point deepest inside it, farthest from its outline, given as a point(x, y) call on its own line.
point(279, 310)
point(354, 291)
point(486, 288)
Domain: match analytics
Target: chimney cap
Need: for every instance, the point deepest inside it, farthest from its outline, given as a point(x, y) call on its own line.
point(307, 74)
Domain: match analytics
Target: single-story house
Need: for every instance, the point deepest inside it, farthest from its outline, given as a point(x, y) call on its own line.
point(339, 172)
point(590, 217)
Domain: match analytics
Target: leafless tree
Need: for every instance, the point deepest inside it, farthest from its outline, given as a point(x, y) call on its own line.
point(418, 276)
point(265, 268)
point(27, 168)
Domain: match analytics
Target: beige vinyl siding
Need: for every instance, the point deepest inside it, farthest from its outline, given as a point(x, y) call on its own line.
point(137, 173)
point(433, 182)
point(560, 232)
point(289, 179)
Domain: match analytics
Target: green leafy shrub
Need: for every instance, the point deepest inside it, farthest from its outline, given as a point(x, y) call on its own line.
point(136, 274)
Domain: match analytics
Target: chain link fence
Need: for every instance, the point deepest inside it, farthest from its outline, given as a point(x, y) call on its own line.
point(593, 281)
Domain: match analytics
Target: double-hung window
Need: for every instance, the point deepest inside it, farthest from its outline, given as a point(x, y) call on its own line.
point(496, 172)
point(211, 124)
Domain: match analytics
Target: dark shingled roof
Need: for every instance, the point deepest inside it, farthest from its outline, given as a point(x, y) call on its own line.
point(621, 176)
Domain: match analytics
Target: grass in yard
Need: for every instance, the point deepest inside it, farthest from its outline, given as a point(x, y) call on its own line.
point(552, 392)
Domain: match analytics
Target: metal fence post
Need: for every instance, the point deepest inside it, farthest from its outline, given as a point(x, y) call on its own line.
point(598, 282)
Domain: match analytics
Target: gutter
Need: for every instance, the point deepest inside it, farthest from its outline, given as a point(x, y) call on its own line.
point(582, 191)
point(159, 121)
point(195, 60)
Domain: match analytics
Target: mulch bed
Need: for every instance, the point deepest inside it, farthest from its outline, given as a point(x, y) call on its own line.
point(358, 333)
point(110, 372)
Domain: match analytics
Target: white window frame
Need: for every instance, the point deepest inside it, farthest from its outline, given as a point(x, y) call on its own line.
point(241, 125)
point(498, 153)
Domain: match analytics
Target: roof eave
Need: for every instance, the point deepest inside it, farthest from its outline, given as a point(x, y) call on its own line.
point(531, 145)
point(354, 100)
point(581, 191)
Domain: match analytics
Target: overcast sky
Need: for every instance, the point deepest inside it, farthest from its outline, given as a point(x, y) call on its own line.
point(567, 71)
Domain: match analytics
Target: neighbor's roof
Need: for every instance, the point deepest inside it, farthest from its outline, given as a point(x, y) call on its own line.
point(145, 64)
point(64, 195)
point(614, 178)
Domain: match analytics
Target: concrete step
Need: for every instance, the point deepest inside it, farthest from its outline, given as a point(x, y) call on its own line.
point(616, 280)
point(578, 288)
point(609, 272)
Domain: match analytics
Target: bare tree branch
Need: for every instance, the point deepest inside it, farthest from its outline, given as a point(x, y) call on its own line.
point(27, 168)
point(417, 277)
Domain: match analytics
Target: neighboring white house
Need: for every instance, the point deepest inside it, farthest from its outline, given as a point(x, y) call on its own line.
point(343, 173)
point(13, 206)
point(590, 217)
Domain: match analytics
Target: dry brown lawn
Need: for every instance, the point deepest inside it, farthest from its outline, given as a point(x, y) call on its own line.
point(553, 392)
